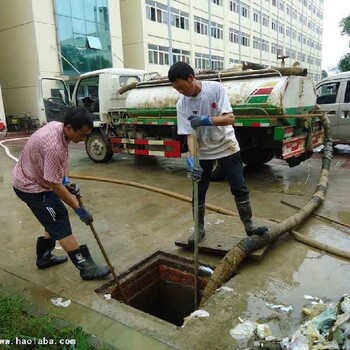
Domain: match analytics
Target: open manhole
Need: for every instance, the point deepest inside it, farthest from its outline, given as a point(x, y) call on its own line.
point(161, 285)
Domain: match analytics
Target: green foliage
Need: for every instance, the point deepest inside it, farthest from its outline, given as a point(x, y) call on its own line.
point(344, 24)
point(324, 74)
point(344, 63)
point(23, 329)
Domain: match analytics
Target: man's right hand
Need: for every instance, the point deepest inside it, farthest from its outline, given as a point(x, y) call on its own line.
point(196, 172)
point(84, 215)
point(73, 189)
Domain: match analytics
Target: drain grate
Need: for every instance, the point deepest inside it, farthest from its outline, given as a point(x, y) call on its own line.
point(161, 285)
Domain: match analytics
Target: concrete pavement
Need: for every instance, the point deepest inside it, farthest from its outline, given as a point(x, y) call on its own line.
point(133, 223)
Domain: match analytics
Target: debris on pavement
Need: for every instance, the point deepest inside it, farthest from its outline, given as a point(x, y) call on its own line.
point(60, 303)
point(327, 328)
point(108, 296)
point(206, 270)
point(280, 307)
point(196, 314)
point(224, 289)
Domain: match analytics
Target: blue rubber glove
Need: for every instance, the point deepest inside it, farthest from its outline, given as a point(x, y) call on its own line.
point(196, 172)
point(200, 120)
point(84, 215)
point(72, 188)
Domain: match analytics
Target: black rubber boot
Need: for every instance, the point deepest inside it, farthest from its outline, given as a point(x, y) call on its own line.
point(245, 214)
point(83, 261)
point(44, 258)
point(201, 230)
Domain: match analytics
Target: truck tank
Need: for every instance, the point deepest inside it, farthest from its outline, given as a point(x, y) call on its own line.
point(261, 92)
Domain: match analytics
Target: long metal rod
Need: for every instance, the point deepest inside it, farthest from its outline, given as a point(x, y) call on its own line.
point(116, 279)
point(196, 222)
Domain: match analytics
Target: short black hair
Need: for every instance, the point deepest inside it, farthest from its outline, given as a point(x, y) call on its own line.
point(77, 118)
point(180, 70)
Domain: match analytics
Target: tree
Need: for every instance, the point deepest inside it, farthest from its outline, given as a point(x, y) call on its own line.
point(344, 24)
point(324, 74)
point(344, 63)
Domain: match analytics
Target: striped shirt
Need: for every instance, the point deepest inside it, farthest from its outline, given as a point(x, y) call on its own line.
point(44, 159)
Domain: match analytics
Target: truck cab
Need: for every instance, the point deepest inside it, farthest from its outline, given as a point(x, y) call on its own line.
point(333, 97)
point(97, 91)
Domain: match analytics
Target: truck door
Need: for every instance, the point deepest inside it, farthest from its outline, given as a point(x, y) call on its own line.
point(344, 112)
point(54, 97)
point(328, 98)
point(86, 94)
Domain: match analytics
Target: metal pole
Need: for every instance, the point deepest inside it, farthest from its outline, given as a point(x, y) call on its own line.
point(195, 214)
point(116, 279)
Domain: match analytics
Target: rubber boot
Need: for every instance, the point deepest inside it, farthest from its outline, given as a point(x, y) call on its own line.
point(44, 258)
point(83, 261)
point(201, 230)
point(245, 214)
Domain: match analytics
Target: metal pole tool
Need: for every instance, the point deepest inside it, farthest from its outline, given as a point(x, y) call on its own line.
point(195, 215)
point(116, 279)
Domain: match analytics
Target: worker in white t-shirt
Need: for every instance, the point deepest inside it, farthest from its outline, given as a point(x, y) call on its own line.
point(204, 106)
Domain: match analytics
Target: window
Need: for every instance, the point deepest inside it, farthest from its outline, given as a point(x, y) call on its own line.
point(273, 24)
point(256, 16)
point(245, 10)
point(201, 61)
point(288, 10)
point(87, 94)
point(274, 2)
point(245, 39)
point(200, 25)
point(180, 19)
point(281, 5)
point(265, 20)
point(156, 11)
point(128, 79)
point(83, 35)
point(327, 93)
point(217, 63)
point(347, 93)
point(273, 48)
point(158, 54)
point(281, 28)
point(288, 31)
point(256, 42)
point(217, 2)
point(181, 55)
point(264, 45)
point(216, 30)
point(234, 6)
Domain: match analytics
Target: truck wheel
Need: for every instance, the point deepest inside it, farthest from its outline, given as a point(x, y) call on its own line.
point(98, 148)
point(256, 156)
point(217, 174)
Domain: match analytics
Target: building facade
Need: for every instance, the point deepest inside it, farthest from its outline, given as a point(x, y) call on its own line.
point(53, 38)
point(215, 34)
point(63, 38)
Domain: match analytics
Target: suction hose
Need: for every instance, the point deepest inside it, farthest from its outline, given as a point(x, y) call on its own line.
point(228, 265)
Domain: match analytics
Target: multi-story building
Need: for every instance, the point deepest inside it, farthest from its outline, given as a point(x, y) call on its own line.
point(68, 37)
point(54, 38)
point(217, 33)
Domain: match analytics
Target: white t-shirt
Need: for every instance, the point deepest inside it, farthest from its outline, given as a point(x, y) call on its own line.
point(214, 141)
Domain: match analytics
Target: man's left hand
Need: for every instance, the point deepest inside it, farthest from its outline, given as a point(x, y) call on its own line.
point(200, 120)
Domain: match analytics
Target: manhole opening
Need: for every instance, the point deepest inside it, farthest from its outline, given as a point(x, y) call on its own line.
point(161, 285)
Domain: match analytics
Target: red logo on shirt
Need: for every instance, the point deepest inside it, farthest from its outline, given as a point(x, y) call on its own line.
point(213, 105)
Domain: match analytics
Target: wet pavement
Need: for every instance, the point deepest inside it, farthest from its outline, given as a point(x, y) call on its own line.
point(133, 223)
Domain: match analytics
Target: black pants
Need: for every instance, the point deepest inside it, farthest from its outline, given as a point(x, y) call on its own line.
point(233, 169)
